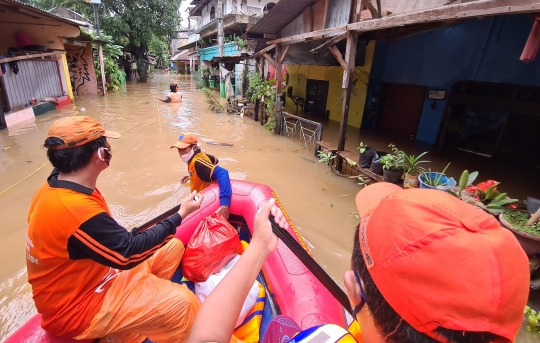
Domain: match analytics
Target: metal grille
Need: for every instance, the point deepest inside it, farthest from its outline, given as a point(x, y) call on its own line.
point(35, 79)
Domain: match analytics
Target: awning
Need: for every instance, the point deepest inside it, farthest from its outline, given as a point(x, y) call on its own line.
point(231, 59)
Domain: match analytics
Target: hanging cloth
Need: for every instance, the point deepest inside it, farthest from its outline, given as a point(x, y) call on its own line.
point(533, 42)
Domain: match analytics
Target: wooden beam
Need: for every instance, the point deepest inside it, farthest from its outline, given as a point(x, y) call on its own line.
point(270, 60)
point(348, 75)
point(473, 9)
point(337, 55)
point(284, 53)
point(329, 43)
point(302, 37)
point(279, 82)
point(263, 51)
point(325, 16)
point(29, 56)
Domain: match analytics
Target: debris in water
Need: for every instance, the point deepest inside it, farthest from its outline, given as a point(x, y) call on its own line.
point(307, 159)
point(218, 143)
point(332, 205)
point(83, 109)
point(242, 147)
point(344, 195)
point(8, 147)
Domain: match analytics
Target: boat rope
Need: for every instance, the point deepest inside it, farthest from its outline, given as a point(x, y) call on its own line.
point(16, 183)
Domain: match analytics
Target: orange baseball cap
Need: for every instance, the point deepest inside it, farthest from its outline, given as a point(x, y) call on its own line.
point(185, 140)
point(77, 130)
point(440, 262)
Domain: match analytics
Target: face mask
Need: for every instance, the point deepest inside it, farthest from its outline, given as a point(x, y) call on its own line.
point(188, 156)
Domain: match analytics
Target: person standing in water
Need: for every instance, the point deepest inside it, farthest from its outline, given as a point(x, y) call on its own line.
point(174, 95)
point(204, 171)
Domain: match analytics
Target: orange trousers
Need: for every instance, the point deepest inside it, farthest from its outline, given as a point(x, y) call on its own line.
point(143, 303)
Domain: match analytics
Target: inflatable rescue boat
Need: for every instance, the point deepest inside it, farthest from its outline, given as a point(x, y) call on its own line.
point(291, 288)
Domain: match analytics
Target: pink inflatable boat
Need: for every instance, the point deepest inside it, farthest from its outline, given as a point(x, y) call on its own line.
point(293, 290)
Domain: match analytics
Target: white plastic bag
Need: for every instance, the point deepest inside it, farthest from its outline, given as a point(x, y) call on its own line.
point(203, 289)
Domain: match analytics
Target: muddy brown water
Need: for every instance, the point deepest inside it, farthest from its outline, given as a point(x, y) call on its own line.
point(144, 177)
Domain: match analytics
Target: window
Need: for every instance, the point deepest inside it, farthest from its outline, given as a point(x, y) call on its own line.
point(212, 13)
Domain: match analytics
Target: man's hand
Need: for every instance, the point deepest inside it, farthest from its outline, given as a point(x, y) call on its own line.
point(190, 204)
point(263, 237)
point(185, 179)
point(224, 211)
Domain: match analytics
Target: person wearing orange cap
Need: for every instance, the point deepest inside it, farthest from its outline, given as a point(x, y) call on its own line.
point(203, 170)
point(174, 95)
point(426, 267)
point(90, 277)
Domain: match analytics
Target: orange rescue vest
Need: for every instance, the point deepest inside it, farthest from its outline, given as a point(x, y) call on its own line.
point(195, 182)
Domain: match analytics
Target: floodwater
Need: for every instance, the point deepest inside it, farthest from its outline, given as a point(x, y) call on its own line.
point(143, 179)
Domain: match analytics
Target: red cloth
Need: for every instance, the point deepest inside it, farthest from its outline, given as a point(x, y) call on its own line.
point(533, 42)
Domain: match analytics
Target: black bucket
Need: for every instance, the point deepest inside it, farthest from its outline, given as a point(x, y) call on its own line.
point(376, 165)
point(364, 161)
point(392, 176)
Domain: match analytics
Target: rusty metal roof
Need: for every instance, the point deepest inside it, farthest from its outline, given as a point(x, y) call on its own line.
point(280, 15)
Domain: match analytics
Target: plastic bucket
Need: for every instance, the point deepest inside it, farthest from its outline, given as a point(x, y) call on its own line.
point(446, 182)
point(212, 84)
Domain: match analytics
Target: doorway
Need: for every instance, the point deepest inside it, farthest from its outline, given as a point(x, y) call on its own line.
point(316, 97)
point(402, 108)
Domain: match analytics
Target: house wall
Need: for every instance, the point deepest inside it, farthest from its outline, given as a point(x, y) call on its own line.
point(298, 75)
point(486, 49)
point(255, 5)
point(81, 69)
point(312, 18)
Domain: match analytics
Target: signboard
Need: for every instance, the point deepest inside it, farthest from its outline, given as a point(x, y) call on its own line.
point(94, 1)
point(437, 95)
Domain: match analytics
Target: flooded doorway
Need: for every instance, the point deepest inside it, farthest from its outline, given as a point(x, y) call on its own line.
point(402, 108)
point(316, 97)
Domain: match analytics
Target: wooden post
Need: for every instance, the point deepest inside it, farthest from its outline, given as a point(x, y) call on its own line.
point(257, 102)
point(348, 75)
point(279, 83)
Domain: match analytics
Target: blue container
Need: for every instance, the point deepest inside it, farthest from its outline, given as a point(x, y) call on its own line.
point(445, 180)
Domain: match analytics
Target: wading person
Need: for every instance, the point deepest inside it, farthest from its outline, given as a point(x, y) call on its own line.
point(426, 267)
point(90, 277)
point(203, 170)
point(174, 95)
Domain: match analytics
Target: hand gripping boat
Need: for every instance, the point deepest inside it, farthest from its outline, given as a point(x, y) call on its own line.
point(292, 289)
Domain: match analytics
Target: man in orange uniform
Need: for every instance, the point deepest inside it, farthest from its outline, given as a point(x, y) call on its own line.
point(174, 95)
point(90, 277)
point(203, 170)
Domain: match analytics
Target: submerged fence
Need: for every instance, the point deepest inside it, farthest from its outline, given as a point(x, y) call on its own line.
point(306, 131)
point(35, 79)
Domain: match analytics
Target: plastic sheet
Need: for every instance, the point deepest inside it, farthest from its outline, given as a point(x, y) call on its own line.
point(214, 243)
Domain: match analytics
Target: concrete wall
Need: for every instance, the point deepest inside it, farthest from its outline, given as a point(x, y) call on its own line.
point(486, 49)
point(228, 8)
point(298, 75)
point(81, 69)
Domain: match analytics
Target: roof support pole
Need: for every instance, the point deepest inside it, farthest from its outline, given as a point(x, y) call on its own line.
point(348, 74)
point(279, 83)
point(100, 52)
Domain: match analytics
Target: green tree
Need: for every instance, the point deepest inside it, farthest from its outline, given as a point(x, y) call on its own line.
point(160, 48)
point(131, 23)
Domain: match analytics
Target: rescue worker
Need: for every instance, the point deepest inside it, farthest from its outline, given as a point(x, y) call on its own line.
point(174, 95)
point(90, 277)
point(426, 267)
point(203, 170)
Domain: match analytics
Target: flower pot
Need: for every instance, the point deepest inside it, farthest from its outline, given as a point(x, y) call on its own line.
point(364, 161)
point(392, 176)
point(529, 243)
point(410, 181)
point(446, 182)
point(376, 165)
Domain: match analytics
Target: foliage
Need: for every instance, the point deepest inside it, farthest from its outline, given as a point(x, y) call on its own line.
point(325, 156)
point(241, 43)
point(362, 147)
point(211, 101)
point(485, 192)
point(394, 161)
point(160, 48)
point(131, 24)
point(518, 219)
point(111, 52)
point(265, 92)
point(412, 163)
point(434, 180)
point(534, 320)
point(201, 42)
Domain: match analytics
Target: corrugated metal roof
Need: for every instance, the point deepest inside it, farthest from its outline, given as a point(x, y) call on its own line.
point(44, 13)
point(278, 17)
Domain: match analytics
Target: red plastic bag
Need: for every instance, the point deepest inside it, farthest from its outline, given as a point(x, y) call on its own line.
point(214, 243)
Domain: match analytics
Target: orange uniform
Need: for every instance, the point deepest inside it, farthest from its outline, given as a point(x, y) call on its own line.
point(75, 250)
point(200, 168)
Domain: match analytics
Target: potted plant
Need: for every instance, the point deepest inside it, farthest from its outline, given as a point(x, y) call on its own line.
point(393, 165)
point(325, 156)
point(366, 155)
point(376, 165)
point(528, 236)
point(436, 180)
point(412, 169)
